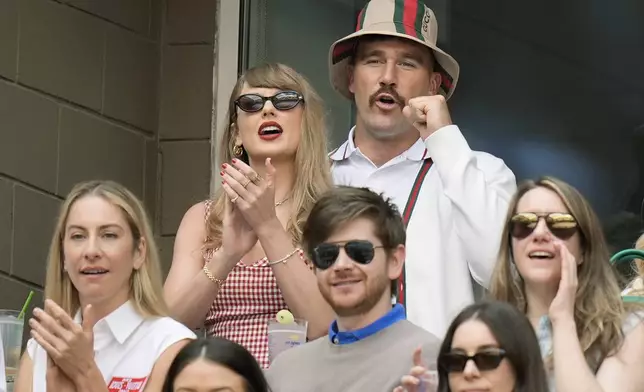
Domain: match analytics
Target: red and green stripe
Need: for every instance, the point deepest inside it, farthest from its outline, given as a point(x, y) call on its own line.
point(361, 17)
point(415, 190)
point(411, 13)
point(409, 208)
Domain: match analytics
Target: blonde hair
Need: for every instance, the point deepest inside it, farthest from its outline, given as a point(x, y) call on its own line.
point(636, 286)
point(639, 263)
point(599, 310)
point(312, 168)
point(145, 283)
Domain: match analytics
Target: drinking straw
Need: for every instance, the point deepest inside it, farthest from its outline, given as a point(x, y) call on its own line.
point(26, 305)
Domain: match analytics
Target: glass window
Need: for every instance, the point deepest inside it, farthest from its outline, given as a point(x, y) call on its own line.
point(299, 34)
point(551, 90)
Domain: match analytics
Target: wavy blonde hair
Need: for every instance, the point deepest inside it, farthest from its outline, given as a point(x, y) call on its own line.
point(312, 168)
point(145, 283)
point(636, 286)
point(639, 263)
point(599, 310)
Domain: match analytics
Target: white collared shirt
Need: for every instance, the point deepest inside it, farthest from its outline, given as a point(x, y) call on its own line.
point(395, 178)
point(455, 228)
point(126, 347)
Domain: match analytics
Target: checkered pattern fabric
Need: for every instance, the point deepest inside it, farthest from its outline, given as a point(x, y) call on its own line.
point(245, 303)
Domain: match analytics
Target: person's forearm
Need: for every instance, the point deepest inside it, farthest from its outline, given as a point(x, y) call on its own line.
point(191, 303)
point(296, 281)
point(90, 381)
point(572, 373)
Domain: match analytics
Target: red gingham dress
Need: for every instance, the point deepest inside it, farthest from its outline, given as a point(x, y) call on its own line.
point(245, 303)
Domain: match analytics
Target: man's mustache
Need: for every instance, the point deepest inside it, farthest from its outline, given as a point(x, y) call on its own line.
point(392, 92)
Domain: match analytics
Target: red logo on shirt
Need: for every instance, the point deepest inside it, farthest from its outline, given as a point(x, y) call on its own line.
point(126, 384)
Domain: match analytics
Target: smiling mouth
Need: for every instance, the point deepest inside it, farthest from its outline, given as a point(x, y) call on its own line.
point(541, 255)
point(345, 283)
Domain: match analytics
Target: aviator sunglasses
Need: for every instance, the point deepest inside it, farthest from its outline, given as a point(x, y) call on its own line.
point(561, 225)
point(484, 360)
point(284, 100)
point(360, 251)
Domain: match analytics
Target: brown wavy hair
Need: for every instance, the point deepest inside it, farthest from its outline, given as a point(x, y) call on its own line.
point(599, 310)
point(312, 168)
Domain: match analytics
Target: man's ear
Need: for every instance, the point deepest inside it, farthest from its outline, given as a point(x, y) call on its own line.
point(351, 87)
point(396, 262)
point(435, 80)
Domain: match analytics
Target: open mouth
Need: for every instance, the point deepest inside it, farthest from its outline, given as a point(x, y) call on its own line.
point(541, 255)
point(386, 99)
point(270, 129)
point(94, 271)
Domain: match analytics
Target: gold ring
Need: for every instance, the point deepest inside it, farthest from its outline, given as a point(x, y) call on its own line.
point(234, 199)
point(248, 181)
point(255, 179)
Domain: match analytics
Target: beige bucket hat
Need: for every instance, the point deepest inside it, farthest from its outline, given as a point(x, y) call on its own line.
point(410, 19)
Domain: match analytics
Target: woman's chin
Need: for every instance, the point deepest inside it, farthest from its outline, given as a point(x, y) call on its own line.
point(542, 276)
point(274, 151)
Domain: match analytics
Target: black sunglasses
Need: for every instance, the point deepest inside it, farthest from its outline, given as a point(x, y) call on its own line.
point(561, 225)
point(360, 251)
point(284, 100)
point(484, 360)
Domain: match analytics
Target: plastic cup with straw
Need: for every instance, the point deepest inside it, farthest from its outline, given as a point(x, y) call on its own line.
point(11, 331)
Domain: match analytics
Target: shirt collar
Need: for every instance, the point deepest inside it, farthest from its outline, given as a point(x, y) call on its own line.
point(121, 323)
point(417, 152)
point(397, 313)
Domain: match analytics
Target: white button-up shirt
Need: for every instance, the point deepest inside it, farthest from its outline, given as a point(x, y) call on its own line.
point(456, 224)
point(126, 347)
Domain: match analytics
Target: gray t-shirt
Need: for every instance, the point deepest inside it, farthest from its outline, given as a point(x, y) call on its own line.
point(373, 364)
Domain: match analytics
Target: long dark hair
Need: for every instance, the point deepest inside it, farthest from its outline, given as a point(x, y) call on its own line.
point(515, 335)
point(222, 352)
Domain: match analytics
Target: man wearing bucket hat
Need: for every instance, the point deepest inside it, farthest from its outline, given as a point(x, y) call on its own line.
point(453, 200)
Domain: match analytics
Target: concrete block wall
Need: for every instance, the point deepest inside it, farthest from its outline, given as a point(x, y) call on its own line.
point(78, 101)
point(186, 99)
point(118, 89)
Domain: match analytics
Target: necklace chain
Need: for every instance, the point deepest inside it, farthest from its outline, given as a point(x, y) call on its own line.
point(279, 203)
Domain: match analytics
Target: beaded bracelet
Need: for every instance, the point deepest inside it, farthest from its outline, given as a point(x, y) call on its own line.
point(288, 256)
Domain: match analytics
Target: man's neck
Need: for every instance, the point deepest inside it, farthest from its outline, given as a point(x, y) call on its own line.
point(381, 151)
point(358, 321)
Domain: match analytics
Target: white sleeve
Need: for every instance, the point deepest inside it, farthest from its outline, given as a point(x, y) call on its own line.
point(479, 187)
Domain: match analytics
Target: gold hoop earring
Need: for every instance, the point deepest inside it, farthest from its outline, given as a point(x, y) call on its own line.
point(238, 150)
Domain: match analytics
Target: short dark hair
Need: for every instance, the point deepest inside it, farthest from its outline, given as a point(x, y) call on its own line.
point(344, 204)
point(222, 352)
point(516, 337)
